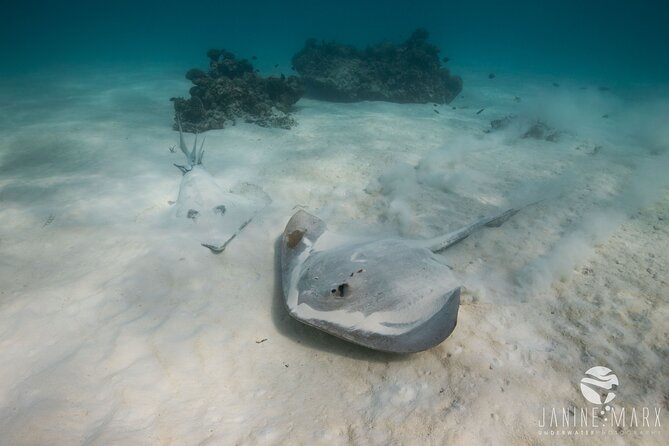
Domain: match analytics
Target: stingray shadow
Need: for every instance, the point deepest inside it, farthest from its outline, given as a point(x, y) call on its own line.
point(312, 338)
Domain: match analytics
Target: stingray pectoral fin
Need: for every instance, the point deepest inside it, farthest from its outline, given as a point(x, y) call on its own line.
point(251, 192)
point(217, 249)
point(426, 335)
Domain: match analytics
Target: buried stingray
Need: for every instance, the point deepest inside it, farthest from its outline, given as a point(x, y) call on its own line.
point(218, 215)
point(390, 294)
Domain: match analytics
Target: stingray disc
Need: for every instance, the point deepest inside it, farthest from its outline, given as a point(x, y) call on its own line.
point(386, 294)
point(218, 215)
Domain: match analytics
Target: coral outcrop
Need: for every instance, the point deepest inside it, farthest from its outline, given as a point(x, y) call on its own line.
point(233, 90)
point(410, 72)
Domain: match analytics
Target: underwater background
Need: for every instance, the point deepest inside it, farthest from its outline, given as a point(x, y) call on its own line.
point(604, 41)
point(117, 327)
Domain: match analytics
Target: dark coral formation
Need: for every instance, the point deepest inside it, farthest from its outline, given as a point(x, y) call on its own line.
point(502, 123)
point(232, 90)
point(410, 72)
point(540, 130)
point(536, 130)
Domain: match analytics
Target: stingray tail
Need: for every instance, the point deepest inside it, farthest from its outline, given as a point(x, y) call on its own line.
point(194, 156)
point(499, 220)
point(442, 242)
point(182, 142)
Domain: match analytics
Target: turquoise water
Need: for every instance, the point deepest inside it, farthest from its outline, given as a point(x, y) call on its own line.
point(601, 40)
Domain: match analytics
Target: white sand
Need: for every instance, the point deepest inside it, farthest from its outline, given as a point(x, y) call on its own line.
point(117, 327)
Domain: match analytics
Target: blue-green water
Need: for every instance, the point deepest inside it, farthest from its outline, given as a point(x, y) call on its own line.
point(602, 40)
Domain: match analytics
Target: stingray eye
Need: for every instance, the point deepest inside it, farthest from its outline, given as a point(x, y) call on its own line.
point(192, 214)
point(219, 209)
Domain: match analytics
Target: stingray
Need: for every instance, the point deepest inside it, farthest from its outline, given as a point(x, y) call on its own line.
point(389, 294)
point(217, 214)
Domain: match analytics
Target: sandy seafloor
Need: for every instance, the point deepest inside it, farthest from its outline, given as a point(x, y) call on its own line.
point(116, 327)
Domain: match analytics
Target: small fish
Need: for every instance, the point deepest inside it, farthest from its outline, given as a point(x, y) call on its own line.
point(605, 116)
point(454, 107)
point(257, 70)
point(491, 76)
point(254, 57)
point(276, 65)
point(49, 220)
point(480, 111)
point(555, 84)
point(604, 89)
point(436, 105)
point(283, 78)
point(436, 111)
point(446, 59)
point(516, 99)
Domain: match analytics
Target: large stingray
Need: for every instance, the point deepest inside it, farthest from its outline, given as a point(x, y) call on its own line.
point(389, 294)
point(219, 215)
